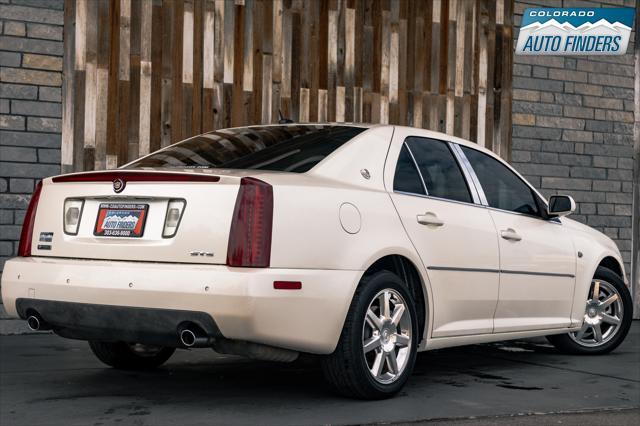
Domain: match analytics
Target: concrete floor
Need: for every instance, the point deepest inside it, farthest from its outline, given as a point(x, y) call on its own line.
point(45, 379)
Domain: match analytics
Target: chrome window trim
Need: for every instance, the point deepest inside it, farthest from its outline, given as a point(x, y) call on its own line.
point(415, 164)
point(470, 174)
point(431, 197)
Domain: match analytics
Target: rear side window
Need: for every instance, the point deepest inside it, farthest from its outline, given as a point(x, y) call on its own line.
point(503, 188)
point(439, 168)
point(407, 178)
point(288, 148)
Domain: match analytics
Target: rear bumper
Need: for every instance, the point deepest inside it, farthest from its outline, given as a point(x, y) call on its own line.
point(149, 300)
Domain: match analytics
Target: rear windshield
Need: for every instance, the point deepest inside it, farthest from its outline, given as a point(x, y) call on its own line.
point(288, 148)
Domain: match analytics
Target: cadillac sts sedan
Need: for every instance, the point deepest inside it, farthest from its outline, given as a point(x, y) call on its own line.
point(360, 244)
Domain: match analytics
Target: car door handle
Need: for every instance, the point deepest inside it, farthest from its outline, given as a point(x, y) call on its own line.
point(429, 218)
point(510, 234)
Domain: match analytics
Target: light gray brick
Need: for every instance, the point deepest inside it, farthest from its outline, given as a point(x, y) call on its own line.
point(588, 172)
point(568, 75)
point(532, 132)
point(53, 94)
point(578, 112)
point(532, 169)
point(6, 248)
point(49, 156)
point(43, 109)
point(620, 174)
point(611, 80)
point(10, 232)
point(18, 91)
point(39, 140)
point(598, 126)
point(559, 122)
point(9, 59)
point(21, 186)
point(566, 183)
point(526, 144)
point(4, 106)
point(6, 216)
point(608, 162)
point(587, 208)
point(577, 136)
point(602, 102)
point(522, 70)
point(29, 45)
point(13, 201)
point(617, 221)
point(622, 209)
point(25, 76)
point(42, 124)
point(587, 89)
point(47, 32)
point(540, 72)
point(605, 209)
point(11, 122)
point(22, 155)
point(623, 128)
point(32, 14)
point(537, 84)
point(4, 186)
point(575, 159)
point(618, 93)
point(553, 146)
point(14, 28)
point(568, 99)
point(536, 108)
point(606, 185)
point(48, 4)
point(18, 170)
point(625, 163)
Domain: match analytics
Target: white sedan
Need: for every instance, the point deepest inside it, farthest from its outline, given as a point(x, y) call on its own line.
point(362, 244)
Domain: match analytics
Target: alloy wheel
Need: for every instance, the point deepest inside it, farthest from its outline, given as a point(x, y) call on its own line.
point(387, 336)
point(603, 315)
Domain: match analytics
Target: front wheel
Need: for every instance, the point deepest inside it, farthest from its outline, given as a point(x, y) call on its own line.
point(130, 356)
point(377, 348)
point(606, 320)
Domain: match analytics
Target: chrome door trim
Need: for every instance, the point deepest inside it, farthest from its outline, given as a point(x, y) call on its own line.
point(499, 271)
point(469, 173)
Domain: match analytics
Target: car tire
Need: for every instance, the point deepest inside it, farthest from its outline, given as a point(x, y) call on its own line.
point(585, 341)
point(125, 356)
point(350, 368)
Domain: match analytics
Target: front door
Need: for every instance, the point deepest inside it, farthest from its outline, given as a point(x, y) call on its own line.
point(537, 260)
point(454, 236)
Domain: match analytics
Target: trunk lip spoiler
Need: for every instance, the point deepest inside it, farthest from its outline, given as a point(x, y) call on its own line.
point(134, 176)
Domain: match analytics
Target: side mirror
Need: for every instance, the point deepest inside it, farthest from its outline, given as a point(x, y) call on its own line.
point(561, 205)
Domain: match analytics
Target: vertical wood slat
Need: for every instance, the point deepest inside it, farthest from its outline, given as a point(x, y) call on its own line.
point(141, 74)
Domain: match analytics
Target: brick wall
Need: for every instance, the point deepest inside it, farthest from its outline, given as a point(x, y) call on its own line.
point(30, 107)
point(573, 129)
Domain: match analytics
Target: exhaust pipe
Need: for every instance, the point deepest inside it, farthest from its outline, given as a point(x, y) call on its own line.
point(36, 323)
point(192, 336)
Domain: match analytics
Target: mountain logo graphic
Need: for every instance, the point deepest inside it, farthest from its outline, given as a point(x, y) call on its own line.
point(575, 31)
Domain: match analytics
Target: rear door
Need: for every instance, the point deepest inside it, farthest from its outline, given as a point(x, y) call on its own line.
point(537, 260)
point(453, 235)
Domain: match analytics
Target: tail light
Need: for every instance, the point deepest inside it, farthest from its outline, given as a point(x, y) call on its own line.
point(24, 248)
point(250, 236)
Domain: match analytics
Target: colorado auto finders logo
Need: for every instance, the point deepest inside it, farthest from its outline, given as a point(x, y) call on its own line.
point(593, 31)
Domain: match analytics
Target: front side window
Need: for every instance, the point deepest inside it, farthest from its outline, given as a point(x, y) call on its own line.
point(290, 148)
point(439, 168)
point(504, 189)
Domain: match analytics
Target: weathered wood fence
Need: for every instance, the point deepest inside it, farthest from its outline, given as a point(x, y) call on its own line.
point(141, 74)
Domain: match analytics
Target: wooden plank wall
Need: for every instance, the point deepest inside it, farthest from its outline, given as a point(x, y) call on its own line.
point(142, 74)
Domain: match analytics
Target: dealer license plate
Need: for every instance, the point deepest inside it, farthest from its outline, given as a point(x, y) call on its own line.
point(121, 220)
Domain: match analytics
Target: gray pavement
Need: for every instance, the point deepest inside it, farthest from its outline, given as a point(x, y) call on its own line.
point(45, 379)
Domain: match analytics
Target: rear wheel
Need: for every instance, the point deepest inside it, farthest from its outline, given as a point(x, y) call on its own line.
point(130, 356)
point(606, 320)
point(377, 348)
